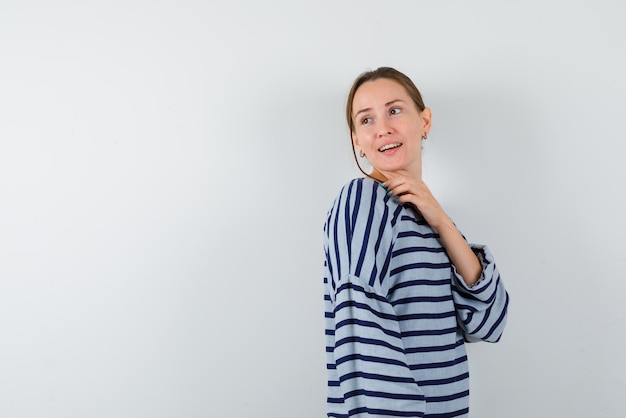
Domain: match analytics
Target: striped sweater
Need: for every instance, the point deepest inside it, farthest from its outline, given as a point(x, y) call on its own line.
point(397, 313)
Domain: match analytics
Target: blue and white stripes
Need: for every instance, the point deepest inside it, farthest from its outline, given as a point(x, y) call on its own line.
point(397, 314)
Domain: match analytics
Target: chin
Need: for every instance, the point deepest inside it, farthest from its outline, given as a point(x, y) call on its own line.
point(390, 168)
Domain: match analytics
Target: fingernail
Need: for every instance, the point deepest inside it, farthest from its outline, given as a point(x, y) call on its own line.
point(384, 184)
point(389, 193)
point(395, 199)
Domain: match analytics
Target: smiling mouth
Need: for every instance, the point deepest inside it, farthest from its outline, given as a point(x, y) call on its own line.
point(389, 146)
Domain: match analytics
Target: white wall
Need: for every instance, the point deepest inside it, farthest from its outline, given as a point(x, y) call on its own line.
point(166, 166)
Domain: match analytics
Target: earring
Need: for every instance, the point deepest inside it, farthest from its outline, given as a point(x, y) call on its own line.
point(425, 137)
point(362, 154)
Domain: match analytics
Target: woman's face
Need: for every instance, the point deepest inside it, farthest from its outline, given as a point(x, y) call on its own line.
point(388, 127)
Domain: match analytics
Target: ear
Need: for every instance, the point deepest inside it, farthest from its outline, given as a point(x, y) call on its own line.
point(426, 116)
point(355, 141)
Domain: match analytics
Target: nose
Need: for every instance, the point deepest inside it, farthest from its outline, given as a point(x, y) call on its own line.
point(384, 131)
point(384, 128)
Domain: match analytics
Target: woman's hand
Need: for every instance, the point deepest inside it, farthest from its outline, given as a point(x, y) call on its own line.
point(414, 191)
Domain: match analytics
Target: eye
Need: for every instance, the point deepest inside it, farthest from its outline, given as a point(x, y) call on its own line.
point(366, 120)
point(395, 110)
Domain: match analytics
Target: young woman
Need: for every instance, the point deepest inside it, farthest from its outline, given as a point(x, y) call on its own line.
point(403, 289)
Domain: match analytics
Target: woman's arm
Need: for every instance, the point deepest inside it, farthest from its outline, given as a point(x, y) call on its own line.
point(409, 190)
point(460, 253)
point(479, 295)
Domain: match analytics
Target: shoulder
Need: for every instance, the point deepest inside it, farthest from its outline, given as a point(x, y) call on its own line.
point(360, 232)
point(363, 201)
point(360, 192)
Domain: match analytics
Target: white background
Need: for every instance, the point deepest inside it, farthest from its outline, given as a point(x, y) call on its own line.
point(166, 167)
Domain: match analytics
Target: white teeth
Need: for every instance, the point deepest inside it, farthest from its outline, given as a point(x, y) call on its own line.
point(389, 146)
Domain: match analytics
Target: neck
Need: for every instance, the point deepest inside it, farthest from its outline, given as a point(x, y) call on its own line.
point(382, 175)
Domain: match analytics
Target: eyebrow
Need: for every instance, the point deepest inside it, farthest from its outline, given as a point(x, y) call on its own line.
point(367, 109)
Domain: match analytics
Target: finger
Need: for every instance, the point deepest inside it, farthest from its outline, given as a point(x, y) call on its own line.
point(390, 183)
point(399, 189)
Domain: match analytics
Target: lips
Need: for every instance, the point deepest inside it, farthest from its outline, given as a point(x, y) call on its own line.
point(389, 146)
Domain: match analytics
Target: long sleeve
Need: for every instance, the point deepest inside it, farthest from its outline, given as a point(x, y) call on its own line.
point(368, 369)
point(482, 308)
